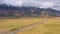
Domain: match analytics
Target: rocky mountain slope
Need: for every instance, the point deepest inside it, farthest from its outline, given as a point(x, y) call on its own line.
point(28, 11)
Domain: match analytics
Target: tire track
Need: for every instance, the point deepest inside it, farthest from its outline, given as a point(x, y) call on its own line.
point(27, 27)
point(30, 26)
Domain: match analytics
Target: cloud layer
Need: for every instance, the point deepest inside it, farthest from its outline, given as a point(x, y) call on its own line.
point(55, 4)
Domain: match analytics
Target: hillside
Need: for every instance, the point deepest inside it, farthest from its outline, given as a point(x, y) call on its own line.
point(28, 11)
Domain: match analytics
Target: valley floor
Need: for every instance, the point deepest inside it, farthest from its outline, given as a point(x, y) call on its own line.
point(30, 26)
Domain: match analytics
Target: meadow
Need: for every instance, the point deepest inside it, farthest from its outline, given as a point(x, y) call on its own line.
point(51, 26)
point(9, 24)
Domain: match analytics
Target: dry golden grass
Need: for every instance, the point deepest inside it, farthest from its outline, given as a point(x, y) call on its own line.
point(52, 26)
point(9, 24)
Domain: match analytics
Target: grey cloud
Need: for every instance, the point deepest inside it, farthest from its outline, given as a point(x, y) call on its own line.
point(55, 4)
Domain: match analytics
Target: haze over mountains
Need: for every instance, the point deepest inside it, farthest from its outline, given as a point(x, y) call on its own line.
point(55, 4)
point(27, 11)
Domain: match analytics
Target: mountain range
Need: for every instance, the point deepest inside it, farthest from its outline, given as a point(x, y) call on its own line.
point(27, 11)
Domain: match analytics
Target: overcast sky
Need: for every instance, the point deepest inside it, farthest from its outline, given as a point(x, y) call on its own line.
point(55, 4)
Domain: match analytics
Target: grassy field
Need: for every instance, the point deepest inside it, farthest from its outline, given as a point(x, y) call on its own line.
point(9, 24)
point(51, 26)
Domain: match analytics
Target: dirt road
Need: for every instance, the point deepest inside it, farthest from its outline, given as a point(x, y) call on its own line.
point(26, 27)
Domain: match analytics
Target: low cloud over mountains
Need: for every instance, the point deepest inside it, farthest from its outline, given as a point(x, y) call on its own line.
point(55, 4)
